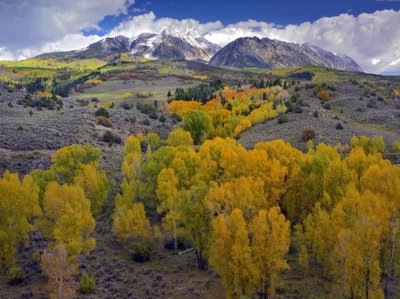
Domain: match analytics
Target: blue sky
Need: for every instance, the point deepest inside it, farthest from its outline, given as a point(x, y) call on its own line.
point(280, 12)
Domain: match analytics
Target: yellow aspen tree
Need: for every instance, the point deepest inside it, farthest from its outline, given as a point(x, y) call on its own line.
point(133, 225)
point(68, 160)
point(167, 194)
point(153, 139)
point(270, 243)
point(19, 204)
point(336, 178)
point(179, 137)
point(67, 218)
point(230, 254)
point(42, 178)
point(196, 220)
point(364, 221)
point(96, 187)
point(243, 193)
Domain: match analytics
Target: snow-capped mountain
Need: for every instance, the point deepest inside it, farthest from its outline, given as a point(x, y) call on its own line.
point(267, 53)
point(170, 45)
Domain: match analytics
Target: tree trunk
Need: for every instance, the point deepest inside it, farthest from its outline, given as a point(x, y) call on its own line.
point(175, 238)
point(60, 287)
point(201, 262)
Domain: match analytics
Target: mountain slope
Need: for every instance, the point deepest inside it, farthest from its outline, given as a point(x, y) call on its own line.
point(267, 53)
point(100, 49)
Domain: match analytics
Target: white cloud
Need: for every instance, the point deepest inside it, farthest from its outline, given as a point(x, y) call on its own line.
point(32, 26)
point(148, 23)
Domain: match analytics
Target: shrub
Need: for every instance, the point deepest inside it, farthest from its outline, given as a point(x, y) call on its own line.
point(289, 106)
point(153, 115)
point(371, 103)
point(127, 95)
point(15, 276)
point(298, 109)
point(396, 146)
point(86, 283)
point(144, 95)
point(324, 95)
point(282, 118)
point(339, 126)
point(110, 137)
point(307, 134)
point(82, 102)
point(126, 106)
point(162, 118)
point(295, 97)
point(327, 106)
point(131, 119)
point(140, 251)
point(102, 112)
point(104, 121)
point(146, 108)
point(316, 114)
point(146, 122)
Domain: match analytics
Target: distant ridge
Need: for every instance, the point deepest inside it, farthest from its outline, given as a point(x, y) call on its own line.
point(267, 53)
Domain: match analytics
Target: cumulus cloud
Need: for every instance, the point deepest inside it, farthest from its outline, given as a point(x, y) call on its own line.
point(32, 26)
point(148, 23)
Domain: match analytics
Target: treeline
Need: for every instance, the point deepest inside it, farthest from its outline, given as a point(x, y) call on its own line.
point(202, 92)
point(60, 85)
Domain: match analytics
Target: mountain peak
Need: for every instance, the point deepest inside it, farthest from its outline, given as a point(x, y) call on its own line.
point(171, 45)
point(272, 53)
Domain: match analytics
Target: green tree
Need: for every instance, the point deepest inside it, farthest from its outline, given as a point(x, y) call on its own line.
point(198, 124)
